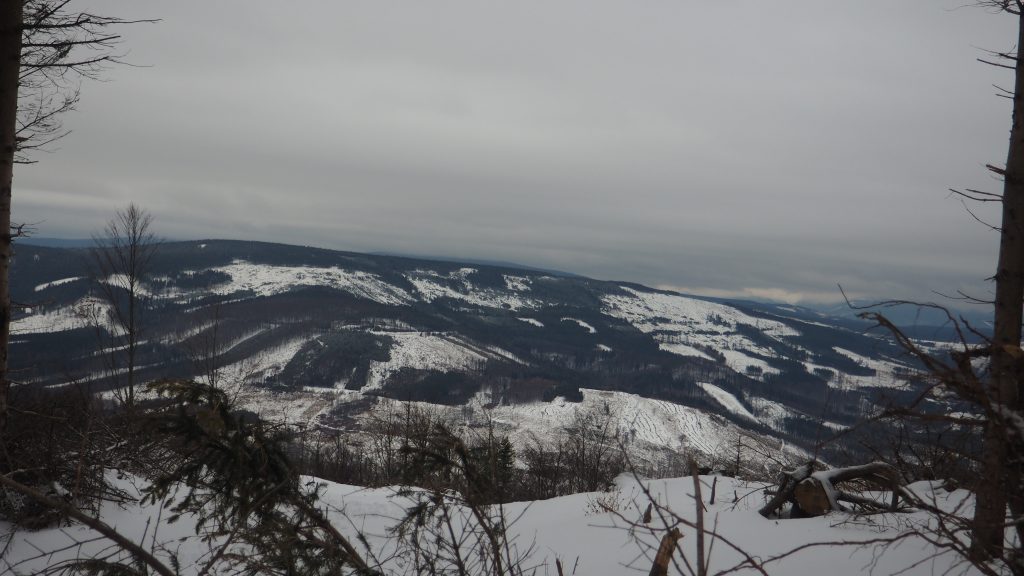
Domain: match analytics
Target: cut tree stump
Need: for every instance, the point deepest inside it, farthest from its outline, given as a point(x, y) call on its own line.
point(811, 498)
point(664, 556)
point(787, 485)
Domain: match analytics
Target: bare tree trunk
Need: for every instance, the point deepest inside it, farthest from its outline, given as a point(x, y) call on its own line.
point(994, 487)
point(10, 66)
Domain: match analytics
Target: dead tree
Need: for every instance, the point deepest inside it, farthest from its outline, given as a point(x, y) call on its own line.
point(10, 58)
point(121, 259)
point(1001, 477)
point(46, 49)
point(997, 397)
point(1000, 397)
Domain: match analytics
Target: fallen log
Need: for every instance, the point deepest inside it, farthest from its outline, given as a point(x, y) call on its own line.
point(818, 494)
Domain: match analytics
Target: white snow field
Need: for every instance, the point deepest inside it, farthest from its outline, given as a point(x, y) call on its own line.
point(683, 350)
point(576, 530)
point(887, 373)
point(582, 324)
point(649, 428)
point(424, 351)
point(266, 280)
point(60, 282)
point(86, 312)
point(432, 285)
point(727, 400)
point(699, 323)
point(533, 321)
point(517, 283)
point(650, 311)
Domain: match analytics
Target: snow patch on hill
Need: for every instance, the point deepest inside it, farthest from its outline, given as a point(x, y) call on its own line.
point(60, 282)
point(683, 350)
point(582, 324)
point(684, 324)
point(423, 351)
point(727, 400)
point(887, 373)
point(456, 285)
point(517, 283)
point(649, 427)
point(770, 412)
point(746, 364)
point(650, 311)
point(86, 312)
point(123, 282)
point(242, 381)
point(266, 280)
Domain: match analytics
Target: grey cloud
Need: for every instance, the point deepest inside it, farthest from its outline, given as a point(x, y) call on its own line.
point(720, 146)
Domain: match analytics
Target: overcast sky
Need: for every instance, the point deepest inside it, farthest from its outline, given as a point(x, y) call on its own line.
point(745, 148)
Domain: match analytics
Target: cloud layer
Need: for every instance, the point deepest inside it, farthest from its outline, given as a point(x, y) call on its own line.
point(760, 148)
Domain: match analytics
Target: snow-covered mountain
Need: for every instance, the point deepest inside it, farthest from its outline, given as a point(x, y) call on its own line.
point(325, 337)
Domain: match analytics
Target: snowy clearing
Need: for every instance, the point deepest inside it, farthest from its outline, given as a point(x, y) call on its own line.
point(422, 351)
point(887, 373)
point(86, 312)
point(432, 286)
point(727, 400)
point(582, 324)
point(60, 282)
point(265, 280)
point(574, 529)
point(648, 427)
point(650, 311)
point(517, 283)
point(700, 324)
point(683, 350)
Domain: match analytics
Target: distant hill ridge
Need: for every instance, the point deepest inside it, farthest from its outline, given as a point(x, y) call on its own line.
point(318, 335)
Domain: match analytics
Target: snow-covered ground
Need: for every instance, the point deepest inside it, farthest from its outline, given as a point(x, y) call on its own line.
point(86, 312)
point(771, 413)
point(582, 324)
point(743, 363)
point(60, 282)
point(727, 400)
point(517, 283)
point(533, 321)
point(300, 407)
point(649, 428)
point(887, 373)
point(239, 381)
point(423, 351)
point(650, 311)
point(430, 285)
point(592, 534)
point(683, 350)
point(266, 280)
point(698, 323)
